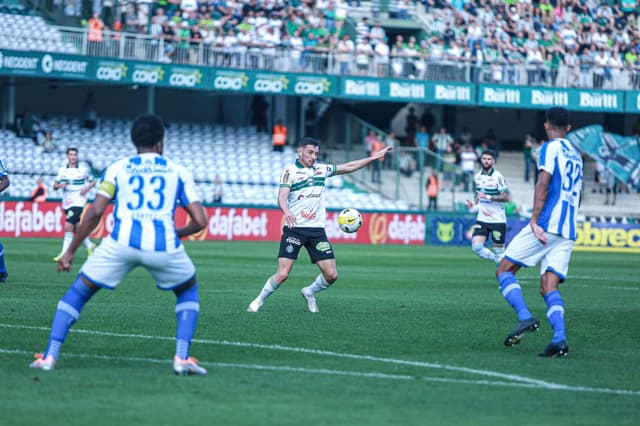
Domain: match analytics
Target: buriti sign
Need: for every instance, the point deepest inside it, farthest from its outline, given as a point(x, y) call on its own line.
point(543, 98)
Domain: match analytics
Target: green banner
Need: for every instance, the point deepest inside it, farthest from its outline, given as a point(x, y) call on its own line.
point(543, 98)
point(632, 102)
point(49, 65)
point(407, 90)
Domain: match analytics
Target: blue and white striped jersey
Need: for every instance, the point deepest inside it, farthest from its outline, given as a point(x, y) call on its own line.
point(146, 189)
point(563, 161)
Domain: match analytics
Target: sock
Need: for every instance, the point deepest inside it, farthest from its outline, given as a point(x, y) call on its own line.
point(68, 236)
point(269, 287)
point(483, 252)
point(555, 315)
point(318, 284)
point(499, 253)
point(3, 267)
point(512, 292)
point(187, 309)
point(67, 314)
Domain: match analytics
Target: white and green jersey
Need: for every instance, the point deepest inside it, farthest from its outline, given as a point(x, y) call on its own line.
point(305, 199)
point(76, 179)
point(492, 183)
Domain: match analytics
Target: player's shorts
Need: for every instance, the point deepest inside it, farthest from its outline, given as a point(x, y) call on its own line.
point(314, 239)
point(498, 231)
point(111, 262)
point(73, 214)
point(526, 250)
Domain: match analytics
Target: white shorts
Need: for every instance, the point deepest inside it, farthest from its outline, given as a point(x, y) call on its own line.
point(111, 262)
point(526, 250)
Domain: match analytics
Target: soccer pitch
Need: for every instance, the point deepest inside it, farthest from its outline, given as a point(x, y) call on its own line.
point(407, 336)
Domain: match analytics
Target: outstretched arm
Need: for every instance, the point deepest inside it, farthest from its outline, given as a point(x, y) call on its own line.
point(354, 165)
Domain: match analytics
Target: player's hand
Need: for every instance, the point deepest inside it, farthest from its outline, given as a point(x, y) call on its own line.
point(290, 220)
point(483, 195)
point(539, 232)
point(64, 264)
point(468, 203)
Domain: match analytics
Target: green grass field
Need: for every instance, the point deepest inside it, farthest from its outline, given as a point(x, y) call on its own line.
point(407, 336)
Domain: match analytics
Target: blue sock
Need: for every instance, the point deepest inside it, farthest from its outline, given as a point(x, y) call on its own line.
point(555, 315)
point(513, 294)
point(187, 308)
point(3, 267)
point(67, 314)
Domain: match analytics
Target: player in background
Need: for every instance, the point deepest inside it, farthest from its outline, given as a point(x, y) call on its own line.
point(550, 235)
point(301, 199)
point(491, 194)
point(4, 184)
point(75, 180)
point(146, 188)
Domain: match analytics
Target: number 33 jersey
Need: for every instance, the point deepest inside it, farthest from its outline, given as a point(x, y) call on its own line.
point(146, 189)
point(563, 162)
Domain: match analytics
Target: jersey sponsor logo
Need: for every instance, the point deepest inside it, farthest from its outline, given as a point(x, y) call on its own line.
point(308, 214)
point(293, 240)
point(285, 177)
point(323, 246)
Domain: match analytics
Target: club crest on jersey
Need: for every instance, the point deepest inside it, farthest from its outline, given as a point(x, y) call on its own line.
point(323, 246)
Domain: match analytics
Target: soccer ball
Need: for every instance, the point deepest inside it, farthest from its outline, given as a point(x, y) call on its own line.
point(349, 220)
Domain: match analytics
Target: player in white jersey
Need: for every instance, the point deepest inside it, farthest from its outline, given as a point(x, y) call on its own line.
point(75, 180)
point(550, 235)
point(4, 184)
point(491, 194)
point(301, 200)
point(146, 189)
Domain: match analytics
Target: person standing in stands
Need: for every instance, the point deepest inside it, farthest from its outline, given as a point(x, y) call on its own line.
point(279, 136)
point(433, 187)
point(39, 194)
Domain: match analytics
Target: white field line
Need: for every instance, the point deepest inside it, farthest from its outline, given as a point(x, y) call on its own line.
point(328, 372)
point(520, 380)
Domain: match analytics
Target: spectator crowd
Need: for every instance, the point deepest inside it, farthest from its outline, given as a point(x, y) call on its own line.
point(571, 43)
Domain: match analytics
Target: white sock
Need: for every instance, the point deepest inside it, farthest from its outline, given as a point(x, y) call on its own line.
point(269, 287)
point(87, 242)
point(318, 284)
point(499, 253)
point(68, 237)
point(483, 252)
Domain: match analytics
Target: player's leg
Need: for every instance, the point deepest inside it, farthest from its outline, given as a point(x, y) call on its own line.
point(498, 236)
point(321, 253)
point(168, 269)
point(524, 250)
point(290, 243)
point(554, 269)
point(272, 284)
point(72, 218)
point(67, 313)
point(3, 266)
point(479, 237)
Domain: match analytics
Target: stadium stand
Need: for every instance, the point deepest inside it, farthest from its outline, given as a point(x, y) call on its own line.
point(567, 44)
point(243, 158)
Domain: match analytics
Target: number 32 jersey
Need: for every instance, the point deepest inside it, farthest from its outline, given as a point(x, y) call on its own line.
point(146, 189)
point(563, 162)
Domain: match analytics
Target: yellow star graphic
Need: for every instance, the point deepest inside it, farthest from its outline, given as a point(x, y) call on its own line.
point(198, 75)
point(124, 69)
point(245, 79)
point(285, 82)
point(160, 73)
point(326, 84)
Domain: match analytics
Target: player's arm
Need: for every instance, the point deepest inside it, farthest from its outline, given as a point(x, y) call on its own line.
point(84, 229)
point(354, 165)
point(4, 182)
point(198, 220)
point(283, 203)
point(539, 199)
